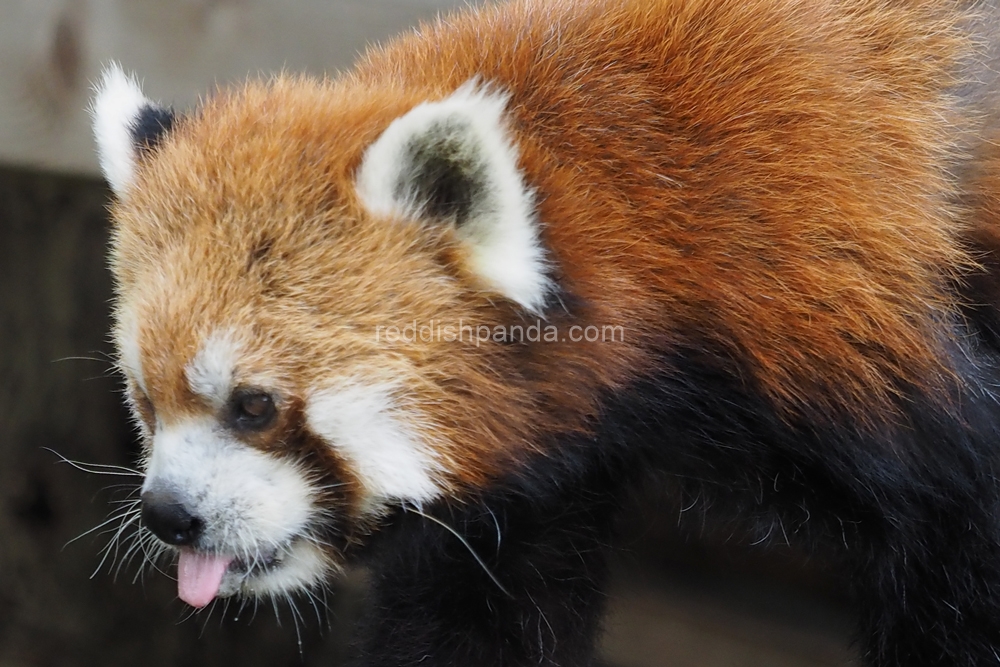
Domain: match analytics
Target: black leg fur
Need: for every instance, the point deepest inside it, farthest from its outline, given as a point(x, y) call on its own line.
point(531, 594)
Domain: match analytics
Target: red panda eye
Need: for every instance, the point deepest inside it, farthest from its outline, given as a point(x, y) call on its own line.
point(251, 410)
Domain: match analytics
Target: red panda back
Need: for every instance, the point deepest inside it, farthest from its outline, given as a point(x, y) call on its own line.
point(791, 204)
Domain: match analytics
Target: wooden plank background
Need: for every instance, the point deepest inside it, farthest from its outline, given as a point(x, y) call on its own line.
point(52, 51)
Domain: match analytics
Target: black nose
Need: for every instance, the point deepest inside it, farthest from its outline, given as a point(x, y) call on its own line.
point(164, 513)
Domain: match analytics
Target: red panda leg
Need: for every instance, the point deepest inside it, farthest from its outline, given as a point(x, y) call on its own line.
point(509, 581)
point(924, 558)
point(929, 596)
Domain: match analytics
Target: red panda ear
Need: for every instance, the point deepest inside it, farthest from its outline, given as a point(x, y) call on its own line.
point(125, 124)
point(452, 162)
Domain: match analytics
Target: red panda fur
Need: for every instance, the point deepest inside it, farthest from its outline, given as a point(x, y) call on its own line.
point(796, 189)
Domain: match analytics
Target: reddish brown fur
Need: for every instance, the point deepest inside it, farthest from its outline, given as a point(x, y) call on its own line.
point(836, 143)
point(700, 185)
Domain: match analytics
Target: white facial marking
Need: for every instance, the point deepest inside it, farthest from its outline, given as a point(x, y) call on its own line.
point(303, 566)
point(210, 373)
point(116, 107)
point(249, 501)
point(503, 231)
point(363, 423)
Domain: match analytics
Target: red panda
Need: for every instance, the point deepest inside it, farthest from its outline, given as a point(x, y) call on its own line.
point(443, 313)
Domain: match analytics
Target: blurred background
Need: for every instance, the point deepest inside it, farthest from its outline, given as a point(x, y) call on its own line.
point(700, 597)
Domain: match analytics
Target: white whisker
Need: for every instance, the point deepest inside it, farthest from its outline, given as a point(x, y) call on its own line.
point(464, 543)
point(96, 468)
point(122, 515)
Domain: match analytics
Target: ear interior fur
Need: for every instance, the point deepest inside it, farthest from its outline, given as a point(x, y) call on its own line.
point(451, 161)
point(125, 123)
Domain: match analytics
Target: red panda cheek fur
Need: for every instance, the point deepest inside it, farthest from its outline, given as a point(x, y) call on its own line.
point(788, 208)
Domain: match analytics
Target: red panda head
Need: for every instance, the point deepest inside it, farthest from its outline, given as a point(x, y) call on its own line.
point(272, 252)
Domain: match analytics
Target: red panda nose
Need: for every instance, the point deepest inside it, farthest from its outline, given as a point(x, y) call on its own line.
point(164, 513)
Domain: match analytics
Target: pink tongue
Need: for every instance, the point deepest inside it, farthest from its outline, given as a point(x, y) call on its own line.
point(199, 576)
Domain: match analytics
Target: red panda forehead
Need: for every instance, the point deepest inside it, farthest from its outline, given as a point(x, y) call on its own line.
point(277, 275)
point(246, 158)
point(284, 315)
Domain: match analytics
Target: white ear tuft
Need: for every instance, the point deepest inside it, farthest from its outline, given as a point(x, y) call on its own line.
point(115, 110)
point(125, 122)
point(452, 160)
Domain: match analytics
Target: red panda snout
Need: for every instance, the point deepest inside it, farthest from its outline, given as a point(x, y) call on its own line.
point(256, 509)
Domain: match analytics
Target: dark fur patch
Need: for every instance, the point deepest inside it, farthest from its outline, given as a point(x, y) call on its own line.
point(521, 586)
point(443, 173)
point(340, 489)
point(260, 252)
point(908, 506)
point(150, 125)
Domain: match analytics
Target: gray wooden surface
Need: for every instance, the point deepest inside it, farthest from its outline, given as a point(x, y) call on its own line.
point(52, 51)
